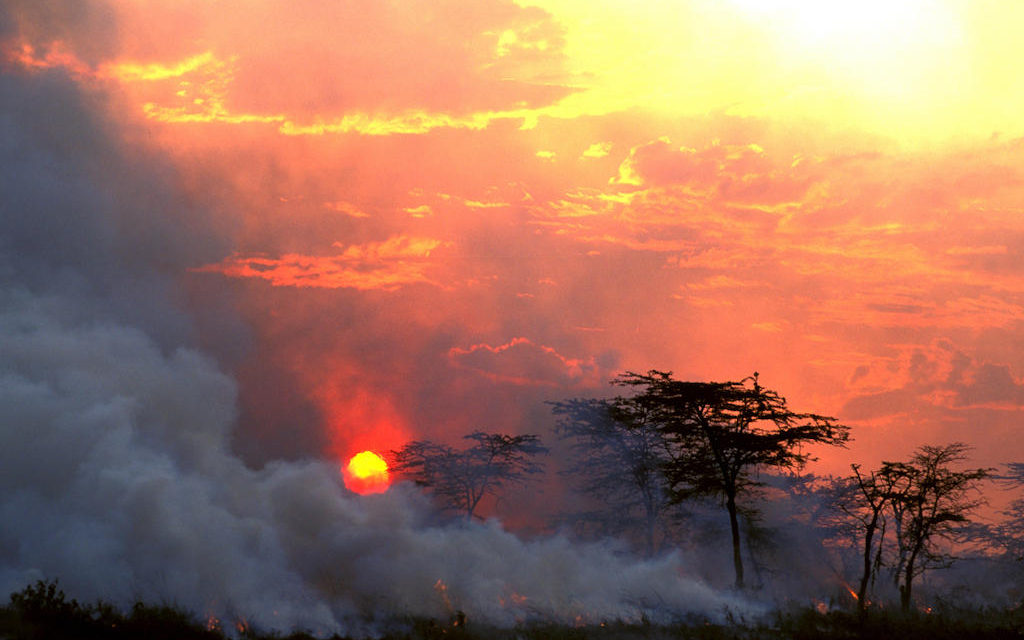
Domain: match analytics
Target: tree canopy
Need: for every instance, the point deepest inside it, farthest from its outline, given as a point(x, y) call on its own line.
point(932, 501)
point(717, 435)
point(460, 478)
point(616, 458)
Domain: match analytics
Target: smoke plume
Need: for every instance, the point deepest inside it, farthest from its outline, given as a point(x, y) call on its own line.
point(116, 471)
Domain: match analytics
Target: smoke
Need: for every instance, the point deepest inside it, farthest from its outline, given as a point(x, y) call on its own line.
point(116, 472)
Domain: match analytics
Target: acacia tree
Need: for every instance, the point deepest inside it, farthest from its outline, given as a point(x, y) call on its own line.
point(717, 435)
point(460, 478)
point(864, 499)
point(1009, 534)
point(616, 457)
point(932, 505)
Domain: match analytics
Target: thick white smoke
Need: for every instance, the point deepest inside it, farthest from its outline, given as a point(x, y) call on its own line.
point(117, 479)
point(116, 474)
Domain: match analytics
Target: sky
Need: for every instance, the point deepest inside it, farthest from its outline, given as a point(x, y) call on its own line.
point(384, 221)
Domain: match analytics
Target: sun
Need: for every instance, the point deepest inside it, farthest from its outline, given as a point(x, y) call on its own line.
point(867, 37)
point(883, 64)
point(366, 472)
point(839, 18)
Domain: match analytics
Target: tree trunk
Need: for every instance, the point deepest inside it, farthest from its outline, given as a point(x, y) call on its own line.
point(737, 558)
point(908, 582)
point(865, 578)
point(651, 522)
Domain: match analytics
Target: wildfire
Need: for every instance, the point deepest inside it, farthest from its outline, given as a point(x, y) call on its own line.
point(458, 617)
point(442, 589)
point(212, 623)
point(513, 599)
point(853, 593)
point(850, 590)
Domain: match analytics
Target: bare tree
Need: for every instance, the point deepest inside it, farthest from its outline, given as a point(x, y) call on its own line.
point(934, 501)
point(864, 499)
point(460, 478)
point(717, 435)
point(616, 457)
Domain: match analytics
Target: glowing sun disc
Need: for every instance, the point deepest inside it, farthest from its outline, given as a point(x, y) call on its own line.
point(367, 472)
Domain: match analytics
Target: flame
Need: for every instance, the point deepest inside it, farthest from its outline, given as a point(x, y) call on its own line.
point(850, 590)
point(366, 473)
point(442, 589)
point(212, 623)
point(513, 600)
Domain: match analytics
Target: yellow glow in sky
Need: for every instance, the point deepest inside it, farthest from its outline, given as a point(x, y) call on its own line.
point(915, 71)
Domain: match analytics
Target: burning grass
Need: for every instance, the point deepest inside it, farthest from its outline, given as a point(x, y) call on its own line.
point(42, 611)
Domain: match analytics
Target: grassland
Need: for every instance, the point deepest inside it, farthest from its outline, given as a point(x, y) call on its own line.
point(43, 612)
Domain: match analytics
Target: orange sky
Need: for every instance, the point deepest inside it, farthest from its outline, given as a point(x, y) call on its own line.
point(443, 213)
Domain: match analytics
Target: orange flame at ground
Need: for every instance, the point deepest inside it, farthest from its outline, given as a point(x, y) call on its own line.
point(212, 623)
point(442, 589)
point(850, 590)
point(513, 600)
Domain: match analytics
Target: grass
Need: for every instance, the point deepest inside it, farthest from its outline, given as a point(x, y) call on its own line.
point(43, 612)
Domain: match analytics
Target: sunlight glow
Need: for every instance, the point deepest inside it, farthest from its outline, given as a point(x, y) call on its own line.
point(367, 473)
point(883, 48)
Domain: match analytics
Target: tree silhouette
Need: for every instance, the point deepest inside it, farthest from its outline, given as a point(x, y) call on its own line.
point(460, 478)
point(1009, 534)
point(932, 503)
point(616, 457)
point(864, 499)
point(718, 434)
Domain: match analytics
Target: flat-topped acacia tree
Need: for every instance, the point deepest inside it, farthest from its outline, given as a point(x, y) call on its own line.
point(717, 435)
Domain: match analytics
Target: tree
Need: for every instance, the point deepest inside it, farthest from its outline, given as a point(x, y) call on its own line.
point(459, 479)
point(933, 502)
point(617, 454)
point(864, 499)
point(717, 435)
point(1009, 534)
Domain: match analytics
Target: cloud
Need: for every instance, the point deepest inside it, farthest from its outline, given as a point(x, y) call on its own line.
point(939, 393)
point(987, 250)
point(346, 208)
point(523, 362)
point(87, 28)
point(728, 173)
point(387, 265)
point(478, 61)
point(597, 150)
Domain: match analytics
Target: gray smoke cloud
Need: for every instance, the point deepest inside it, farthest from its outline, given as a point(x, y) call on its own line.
point(116, 470)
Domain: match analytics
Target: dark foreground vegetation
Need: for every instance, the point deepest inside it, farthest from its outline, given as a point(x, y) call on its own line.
point(42, 611)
